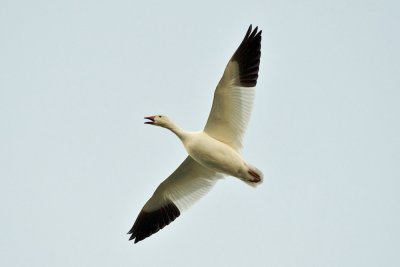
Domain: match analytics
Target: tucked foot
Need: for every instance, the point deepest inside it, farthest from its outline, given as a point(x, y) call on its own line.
point(252, 176)
point(256, 176)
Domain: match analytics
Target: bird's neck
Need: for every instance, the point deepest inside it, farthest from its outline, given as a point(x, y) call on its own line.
point(177, 131)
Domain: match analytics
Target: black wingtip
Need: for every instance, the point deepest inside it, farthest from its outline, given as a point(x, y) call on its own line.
point(248, 31)
point(248, 57)
point(148, 223)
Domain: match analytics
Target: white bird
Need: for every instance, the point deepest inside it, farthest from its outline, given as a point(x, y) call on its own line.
point(213, 152)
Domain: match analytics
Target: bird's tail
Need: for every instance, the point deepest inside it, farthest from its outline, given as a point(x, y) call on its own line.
point(254, 176)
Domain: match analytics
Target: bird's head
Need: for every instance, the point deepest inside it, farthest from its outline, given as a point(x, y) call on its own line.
point(159, 120)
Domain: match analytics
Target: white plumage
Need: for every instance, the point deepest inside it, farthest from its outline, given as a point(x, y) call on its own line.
point(213, 152)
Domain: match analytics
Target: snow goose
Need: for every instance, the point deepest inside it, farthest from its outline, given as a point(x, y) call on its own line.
point(213, 152)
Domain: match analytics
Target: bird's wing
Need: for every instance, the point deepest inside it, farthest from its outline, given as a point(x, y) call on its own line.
point(233, 97)
point(187, 184)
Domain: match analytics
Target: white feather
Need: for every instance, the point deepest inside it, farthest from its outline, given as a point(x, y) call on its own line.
point(231, 109)
point(187, 184)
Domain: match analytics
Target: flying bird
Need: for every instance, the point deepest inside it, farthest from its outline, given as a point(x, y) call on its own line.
point(213, 152)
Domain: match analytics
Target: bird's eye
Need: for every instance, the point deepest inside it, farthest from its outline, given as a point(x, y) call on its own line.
point(160, 116)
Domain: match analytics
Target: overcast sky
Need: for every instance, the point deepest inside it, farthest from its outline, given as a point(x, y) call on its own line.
point(77, 163)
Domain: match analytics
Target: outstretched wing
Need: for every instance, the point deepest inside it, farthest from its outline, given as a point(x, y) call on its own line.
point(187, 184)
point(233, 97)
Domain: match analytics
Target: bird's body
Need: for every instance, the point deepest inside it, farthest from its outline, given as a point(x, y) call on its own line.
point(213, 152)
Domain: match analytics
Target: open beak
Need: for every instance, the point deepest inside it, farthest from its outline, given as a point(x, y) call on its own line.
point(150, 118)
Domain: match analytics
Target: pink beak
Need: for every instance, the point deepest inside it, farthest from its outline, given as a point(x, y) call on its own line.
point(151, 118)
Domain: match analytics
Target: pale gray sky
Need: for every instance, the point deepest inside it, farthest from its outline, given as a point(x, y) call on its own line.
point(77, 163)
